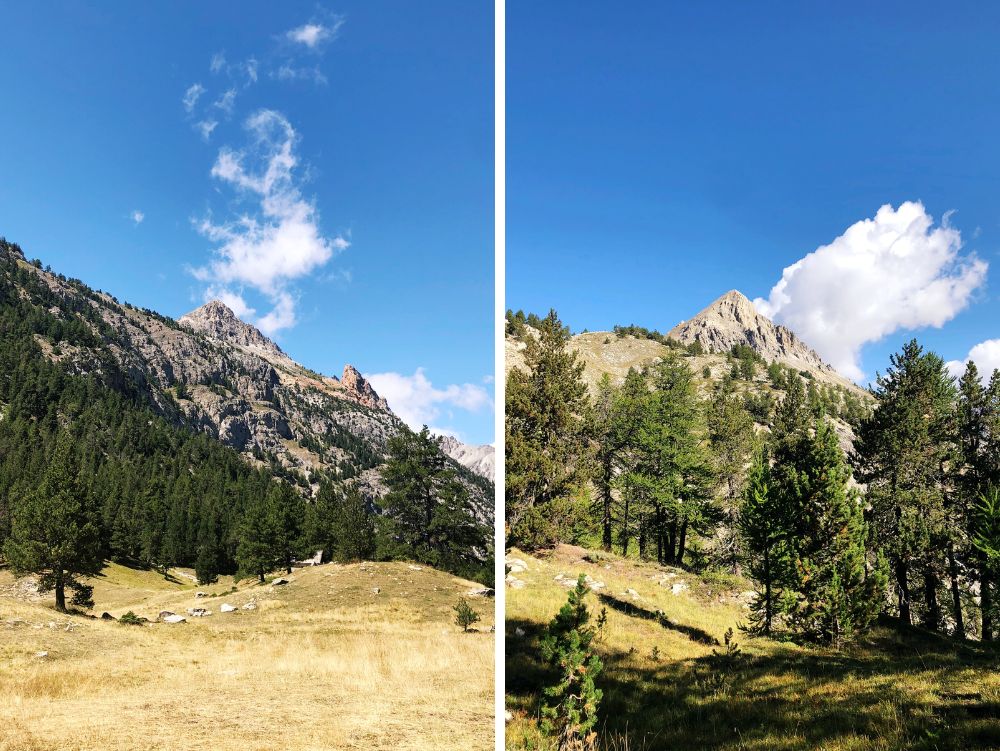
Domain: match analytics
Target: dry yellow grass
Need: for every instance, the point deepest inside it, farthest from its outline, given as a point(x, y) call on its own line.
point(322, 663)
point(891, 690)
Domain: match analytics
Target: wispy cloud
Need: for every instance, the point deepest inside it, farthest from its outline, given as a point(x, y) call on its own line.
point(315, 33)
point(205, 127)
point(418, 402)
point(218, 62)
point(277, 240)
point(226, 102)
point(288, 72)
point(137, 217)
point(191, 96)
point(896, 271)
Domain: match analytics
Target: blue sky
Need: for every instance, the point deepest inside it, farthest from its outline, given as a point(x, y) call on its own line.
point(327, 169)
point(664, 153)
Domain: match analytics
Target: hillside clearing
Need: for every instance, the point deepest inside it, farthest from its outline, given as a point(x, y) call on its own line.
point(892, 690)
point(323, 662)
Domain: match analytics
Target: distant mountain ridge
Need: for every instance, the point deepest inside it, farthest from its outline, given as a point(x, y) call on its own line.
point(480, 459)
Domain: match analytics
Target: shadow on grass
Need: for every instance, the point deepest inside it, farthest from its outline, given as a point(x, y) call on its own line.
point(872, 695)
point(637, 611)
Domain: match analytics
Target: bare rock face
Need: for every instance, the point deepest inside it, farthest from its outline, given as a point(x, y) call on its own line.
point(216, 320)
point(479, 459)
point(354, 382)
point(732, 319)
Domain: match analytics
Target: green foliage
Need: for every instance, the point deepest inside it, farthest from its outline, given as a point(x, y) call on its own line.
point(427, 508)
point(54, 531)
point(465, 616)
point(130, 619)
point(546, 451)
point(570, 711)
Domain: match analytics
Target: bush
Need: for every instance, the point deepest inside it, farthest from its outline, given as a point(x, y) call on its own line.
point(465, 616)
point(130, 619)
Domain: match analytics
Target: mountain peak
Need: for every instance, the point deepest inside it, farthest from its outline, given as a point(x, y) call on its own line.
point(732, 319)
point(355, 382)
point(218, 321)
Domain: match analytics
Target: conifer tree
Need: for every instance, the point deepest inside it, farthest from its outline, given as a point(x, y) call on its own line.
point(353, 529)
point(731, 439)
point(765, 531)
point(838, 595)
point(546, 451)
point(903, 452)
point(260, 546)
point(55, 531)
point(570, 711)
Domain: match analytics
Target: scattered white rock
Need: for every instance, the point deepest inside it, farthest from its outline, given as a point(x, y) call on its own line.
point(172, 618)
point(199, 612)
point(515, 565)
point(41, 654)
point(250, 606)
point(201, 594)
point(484, 592)
point(280, 581)
point(508, 716)
point(376, 590)
point(678, 588)
point(518, 631)
point(559, 577)
point(513, 582)
point(227, 608)
point(632, 593)
point(414, 568)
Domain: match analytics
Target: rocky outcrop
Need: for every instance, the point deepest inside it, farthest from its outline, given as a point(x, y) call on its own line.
point(216, 320)
point(732, 320)
point(480, 459)
point(355, 383)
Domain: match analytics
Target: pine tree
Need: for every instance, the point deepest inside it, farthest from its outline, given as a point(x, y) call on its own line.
point(570, 711)
point(353, 529)
point(731, 439)
point(55, 531)
point(838, 595)
point(765, 531)
point(546, 451)
point(428, 506)
point(902, 453)
point(259, 550)
point(465, 616)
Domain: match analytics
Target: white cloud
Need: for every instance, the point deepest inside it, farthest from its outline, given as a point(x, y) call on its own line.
point(137, 217)
point(218, 62)
point(279, 239)
point(192, 95)
point(986, 355)
point(287, 72)
point(895, 271)
point(205, 127)
point(314, 33)
point(250, 68)
point(417, 402)
point(226, 102)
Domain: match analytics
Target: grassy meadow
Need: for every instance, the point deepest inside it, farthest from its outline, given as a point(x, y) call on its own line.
point(670, 682)
point(322, 663)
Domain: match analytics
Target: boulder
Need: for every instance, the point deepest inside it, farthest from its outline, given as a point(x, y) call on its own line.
point(280, 581)
point(106, 616)
point(173, 618)
point(199, 612)
point(678, 587)
point(250, 606)
point(375, 590)
point(201, 594)
point(227, 608)
point(484, 592)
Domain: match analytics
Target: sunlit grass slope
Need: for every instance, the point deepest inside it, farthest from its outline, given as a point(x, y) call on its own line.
point(321, 663)
point(669, 683)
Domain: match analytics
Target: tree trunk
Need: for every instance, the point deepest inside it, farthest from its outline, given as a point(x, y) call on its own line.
point(681, 539)
point(903, 588)
point(60, 593)
point(956, 596)
point(624, 534)
point(932, 619)
point(986, 599)
point(671, 543)
point(768, 607)
point(606, 511)
point(260, 575)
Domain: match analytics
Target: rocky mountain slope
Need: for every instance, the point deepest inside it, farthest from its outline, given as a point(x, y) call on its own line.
point(213, 373)
point(480, 459)
point(733, 320)
point(706, 341)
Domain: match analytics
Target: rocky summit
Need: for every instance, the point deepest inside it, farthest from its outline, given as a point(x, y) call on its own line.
point(733, 320)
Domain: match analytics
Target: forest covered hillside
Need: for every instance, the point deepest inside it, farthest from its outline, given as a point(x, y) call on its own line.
point(199, 442)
